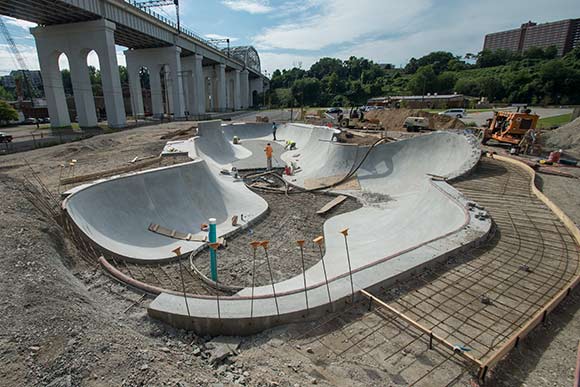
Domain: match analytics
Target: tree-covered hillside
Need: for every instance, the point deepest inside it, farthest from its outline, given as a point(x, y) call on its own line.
point(535, 77)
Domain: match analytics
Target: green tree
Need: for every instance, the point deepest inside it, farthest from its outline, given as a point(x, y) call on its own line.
point(124, 75)
point(66, 82)
point(5, 94)
point(327, 66)
point(492, 88)
point(446, 82)
point(438, 59)
point(488, 58)
point(7, 112)
point(468, 86)
point(307, 91)
point(423, 81)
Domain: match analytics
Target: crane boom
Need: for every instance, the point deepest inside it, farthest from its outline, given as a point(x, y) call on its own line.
point(19, 59)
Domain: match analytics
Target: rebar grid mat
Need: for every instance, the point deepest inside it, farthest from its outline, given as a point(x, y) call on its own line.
point(528, 261)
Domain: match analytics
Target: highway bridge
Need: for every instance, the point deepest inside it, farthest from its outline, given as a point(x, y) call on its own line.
point(188, 74)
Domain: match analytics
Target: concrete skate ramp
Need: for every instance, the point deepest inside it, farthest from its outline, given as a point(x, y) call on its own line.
point(407, 221)
point(213, 144)
point(116, 214)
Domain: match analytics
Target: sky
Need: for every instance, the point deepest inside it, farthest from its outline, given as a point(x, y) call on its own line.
point(296, 33)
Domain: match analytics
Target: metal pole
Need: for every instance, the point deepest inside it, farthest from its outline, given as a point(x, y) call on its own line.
point(264, 244)
point(177, 16)
point(212, 252)
point(213, 247)
point(345, 233)
point(254, 245)
point(319, 241)
point(177, 253)
point(301, 244)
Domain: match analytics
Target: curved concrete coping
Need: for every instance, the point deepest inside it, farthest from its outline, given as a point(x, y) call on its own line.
point(116, 213)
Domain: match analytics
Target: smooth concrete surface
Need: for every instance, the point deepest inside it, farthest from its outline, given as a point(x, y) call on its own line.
point(116, 213)
point(407, 221)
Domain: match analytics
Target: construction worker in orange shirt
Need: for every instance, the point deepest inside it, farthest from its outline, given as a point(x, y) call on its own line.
point(269, 152)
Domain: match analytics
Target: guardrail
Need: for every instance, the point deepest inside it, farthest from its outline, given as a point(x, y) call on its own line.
point(182, 29)
point(171, 23)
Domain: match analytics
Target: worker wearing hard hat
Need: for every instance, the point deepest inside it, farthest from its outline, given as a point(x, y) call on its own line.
point(269, 152)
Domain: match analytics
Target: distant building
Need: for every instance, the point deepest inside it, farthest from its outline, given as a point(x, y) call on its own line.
point(563, 34)
point(8, 82)
point(387, 66)
point(34, 76)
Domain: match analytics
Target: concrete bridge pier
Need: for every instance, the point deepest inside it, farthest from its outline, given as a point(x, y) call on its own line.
point(135, 88)
point(237, 91)
point(53, 87)
point(82, 90)
point(200, 84)
point(193, 82)
point(167, 59)
point(76, 40)
point(221, 87)
point(245, 88)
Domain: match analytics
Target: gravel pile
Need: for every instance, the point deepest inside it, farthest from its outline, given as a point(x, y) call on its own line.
point(566, 137)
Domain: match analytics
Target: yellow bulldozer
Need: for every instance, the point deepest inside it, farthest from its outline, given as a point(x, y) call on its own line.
point(511, 127)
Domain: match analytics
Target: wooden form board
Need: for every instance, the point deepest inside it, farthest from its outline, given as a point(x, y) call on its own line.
point(330, 205)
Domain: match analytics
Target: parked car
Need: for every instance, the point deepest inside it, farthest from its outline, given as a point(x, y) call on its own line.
point(334, 110)
point(5, 137)
point(29, 120)
point(458, 113)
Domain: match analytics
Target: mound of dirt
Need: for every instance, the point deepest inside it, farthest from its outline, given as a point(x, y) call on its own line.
point(566, 137)
point(393, 119)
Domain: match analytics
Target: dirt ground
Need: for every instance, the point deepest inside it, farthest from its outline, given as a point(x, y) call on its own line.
point(63, 322)
point(393, 119)
point(290, 218)
point(566, 137)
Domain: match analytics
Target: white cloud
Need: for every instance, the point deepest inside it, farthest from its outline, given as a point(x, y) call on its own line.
point(342, 21)
point(19, 23)
point(393, 32)
point(271, 61)
point(250, 6)
point(8, 62)
point(218, 36)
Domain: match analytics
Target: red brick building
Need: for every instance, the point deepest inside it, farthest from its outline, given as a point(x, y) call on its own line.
point(563, 34)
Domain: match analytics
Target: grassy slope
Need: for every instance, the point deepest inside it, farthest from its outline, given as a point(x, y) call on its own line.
point(560, 120)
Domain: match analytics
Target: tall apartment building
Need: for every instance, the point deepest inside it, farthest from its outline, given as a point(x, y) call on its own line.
point(563, 34)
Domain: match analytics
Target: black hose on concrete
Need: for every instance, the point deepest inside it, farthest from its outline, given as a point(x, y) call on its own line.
point(354, 168)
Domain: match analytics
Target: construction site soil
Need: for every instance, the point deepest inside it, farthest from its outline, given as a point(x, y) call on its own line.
point(290, 218)
point(393, 119)
point(566, 137)
point(64, 322)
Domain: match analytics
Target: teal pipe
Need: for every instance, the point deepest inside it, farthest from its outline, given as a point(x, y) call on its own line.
point(212, 252)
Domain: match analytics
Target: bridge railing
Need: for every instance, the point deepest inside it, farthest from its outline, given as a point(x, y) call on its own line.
point(184, 30)
point(172, 23)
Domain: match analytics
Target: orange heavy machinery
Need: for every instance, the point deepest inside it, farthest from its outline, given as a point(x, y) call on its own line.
point(510, 127)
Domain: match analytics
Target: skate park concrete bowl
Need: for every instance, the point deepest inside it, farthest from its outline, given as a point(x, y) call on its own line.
point(410, 218)
point(116, 213)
